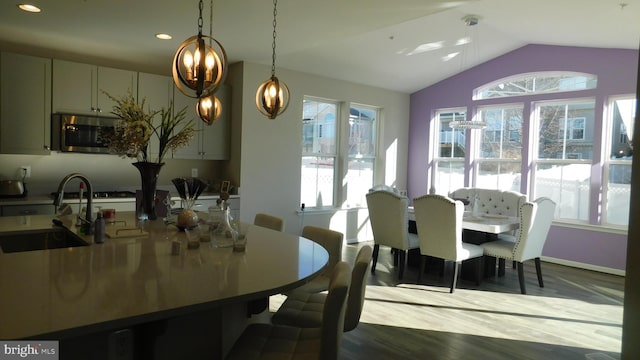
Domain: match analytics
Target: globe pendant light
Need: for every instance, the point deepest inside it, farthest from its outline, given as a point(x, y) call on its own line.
point(209, 109)
point(272, 97)
point(199, 68)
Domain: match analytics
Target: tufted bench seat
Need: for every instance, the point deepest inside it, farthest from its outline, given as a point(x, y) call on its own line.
point(492, 201)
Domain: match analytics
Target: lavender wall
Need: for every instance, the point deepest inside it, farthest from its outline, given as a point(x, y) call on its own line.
point(617, 72)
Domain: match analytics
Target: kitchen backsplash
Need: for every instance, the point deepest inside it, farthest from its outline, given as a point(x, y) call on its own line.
point(106, 172)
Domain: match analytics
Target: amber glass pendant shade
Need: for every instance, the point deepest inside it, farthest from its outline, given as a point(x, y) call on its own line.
point(209, 109)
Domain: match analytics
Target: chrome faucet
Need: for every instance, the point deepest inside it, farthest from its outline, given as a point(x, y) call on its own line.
point(88, 220)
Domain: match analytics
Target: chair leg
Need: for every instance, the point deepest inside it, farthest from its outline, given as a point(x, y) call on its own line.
point(396, 254)
point(523, 290)
point(423, 264)
point(454, 278)
point(401, 262)
point(501, 265)
point(539, 272)
point(490, 265)
point(376, 249)
point(479, 269)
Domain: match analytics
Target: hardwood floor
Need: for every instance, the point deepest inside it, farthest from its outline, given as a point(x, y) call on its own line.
point(577, 315)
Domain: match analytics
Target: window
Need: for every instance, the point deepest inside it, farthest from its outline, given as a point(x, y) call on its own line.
point(322, 154)
point(536, 83)
point(556, 158)
point(318, 152)
point(361, 154)
point(448, 174)
point(617, 169)
point(500, 158)
point(562, 166)
point(572, 129)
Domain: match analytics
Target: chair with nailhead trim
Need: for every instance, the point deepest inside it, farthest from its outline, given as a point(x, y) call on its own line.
point(535, 221)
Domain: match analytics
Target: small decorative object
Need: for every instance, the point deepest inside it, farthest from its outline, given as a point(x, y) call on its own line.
point(189, 190)
point(130, 138)
point(221, 231)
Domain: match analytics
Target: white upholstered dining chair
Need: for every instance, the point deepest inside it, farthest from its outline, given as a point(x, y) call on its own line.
point(332, 241)
point(305, 310)
point(389, 217)
point(274, 223)
point(268, 341)
point(269, 221)
point(439, 224)
point(535, 221)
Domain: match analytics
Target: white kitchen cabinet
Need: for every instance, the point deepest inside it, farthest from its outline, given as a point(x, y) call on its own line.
point(78, 88)
point(157, 91)
point(212, 142)
point(25, 109)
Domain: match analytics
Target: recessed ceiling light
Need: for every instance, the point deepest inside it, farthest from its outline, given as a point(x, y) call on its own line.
point(29, 8)
point(164, 36)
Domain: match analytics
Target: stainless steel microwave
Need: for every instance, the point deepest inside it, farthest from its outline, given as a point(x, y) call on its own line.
point(80, 133)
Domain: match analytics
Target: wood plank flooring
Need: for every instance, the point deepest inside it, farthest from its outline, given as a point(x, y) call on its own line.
point(577, 315)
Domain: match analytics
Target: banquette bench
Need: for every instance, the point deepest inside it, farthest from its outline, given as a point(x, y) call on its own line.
point(492, 201)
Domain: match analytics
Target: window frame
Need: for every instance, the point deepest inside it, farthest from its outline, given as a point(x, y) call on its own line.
point(343, 199)
point(450, 160)
point(609, 161)
point(583, 215)
point(319, 156)
point(506, 134)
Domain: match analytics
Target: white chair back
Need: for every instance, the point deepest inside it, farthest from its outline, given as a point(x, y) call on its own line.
point(269, 221)
point(492, 201)
point(331, 240)
point(385, 188)
point(535, 221)
point(389, 218)
point(439, 225)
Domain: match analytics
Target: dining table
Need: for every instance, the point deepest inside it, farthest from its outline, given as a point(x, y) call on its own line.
point(150, 288)
point(485, 223)
point(477, 229)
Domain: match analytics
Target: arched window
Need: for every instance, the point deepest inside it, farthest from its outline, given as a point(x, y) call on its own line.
point(536, 83)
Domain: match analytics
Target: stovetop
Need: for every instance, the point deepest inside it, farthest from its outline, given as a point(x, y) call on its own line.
point(96, 194)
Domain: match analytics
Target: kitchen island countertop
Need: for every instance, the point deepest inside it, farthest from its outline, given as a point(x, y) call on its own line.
point(62, 293)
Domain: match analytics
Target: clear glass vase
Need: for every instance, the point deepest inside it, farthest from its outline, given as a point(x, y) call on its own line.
point(221, 231)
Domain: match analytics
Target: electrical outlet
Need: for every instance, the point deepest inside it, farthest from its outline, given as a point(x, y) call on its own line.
point(25, 171)
point(194, 172)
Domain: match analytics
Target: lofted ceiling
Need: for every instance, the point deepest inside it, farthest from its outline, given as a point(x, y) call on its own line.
point(371, 42)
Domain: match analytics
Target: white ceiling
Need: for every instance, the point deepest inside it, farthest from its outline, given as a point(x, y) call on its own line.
point(363, 41)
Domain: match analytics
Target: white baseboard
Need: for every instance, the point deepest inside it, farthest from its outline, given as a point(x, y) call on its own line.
point(580, 265)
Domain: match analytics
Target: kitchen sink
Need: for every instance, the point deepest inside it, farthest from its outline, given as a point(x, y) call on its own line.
point(44, 239)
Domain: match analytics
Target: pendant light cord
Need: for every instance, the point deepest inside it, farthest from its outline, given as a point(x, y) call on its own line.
point(210, 22)
point(273, 46)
